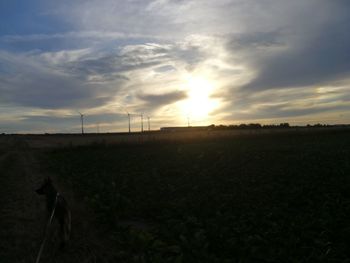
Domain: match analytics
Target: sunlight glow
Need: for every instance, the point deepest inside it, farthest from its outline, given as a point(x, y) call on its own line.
point(199, 103)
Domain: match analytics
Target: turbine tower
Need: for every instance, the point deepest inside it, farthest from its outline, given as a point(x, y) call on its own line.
point(128, 119)
point(141, 122)
point(82, 122)
point(149, 123)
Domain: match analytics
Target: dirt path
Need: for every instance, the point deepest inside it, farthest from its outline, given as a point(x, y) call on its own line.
point(20, 211)
point(23, 218)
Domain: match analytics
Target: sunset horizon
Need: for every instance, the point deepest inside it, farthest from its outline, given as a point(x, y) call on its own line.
point(174, 131)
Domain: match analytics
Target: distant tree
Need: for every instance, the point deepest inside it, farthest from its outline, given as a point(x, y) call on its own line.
point(254, 125)
point(284, 125)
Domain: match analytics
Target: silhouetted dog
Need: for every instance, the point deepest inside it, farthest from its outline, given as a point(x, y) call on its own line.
point(54, 200)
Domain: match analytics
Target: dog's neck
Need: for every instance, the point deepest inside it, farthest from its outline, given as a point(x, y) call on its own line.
point(51, 198)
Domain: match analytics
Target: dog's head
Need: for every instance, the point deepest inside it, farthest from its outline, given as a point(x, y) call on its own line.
point(45, 188)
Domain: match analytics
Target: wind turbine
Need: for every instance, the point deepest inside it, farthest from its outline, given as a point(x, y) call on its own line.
point(141, 122)
point(128, 119)
point(149, 123)
point(82, 122)
point(123, 108)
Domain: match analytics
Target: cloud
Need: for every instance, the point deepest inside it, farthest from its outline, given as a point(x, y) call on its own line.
point(28, 82)
point(288, 103)
point(290, 113)
point(91, 77)
point(306, 53)
point(155, 101)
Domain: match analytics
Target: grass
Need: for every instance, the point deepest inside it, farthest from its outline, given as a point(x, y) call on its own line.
point(258, 198)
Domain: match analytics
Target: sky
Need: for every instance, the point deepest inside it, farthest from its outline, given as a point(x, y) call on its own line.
point(173, 61)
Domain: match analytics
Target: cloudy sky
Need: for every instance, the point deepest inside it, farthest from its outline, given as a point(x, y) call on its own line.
point(221, 62)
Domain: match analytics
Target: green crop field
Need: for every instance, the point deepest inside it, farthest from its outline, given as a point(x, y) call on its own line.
point(254, 198)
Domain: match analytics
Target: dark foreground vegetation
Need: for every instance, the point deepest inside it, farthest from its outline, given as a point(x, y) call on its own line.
point(258, 198)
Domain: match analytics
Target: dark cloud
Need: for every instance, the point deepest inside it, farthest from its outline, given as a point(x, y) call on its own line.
point(284, 111)
point(89, 118)
point(111, 65)
point(81, 79)
point(318, 55)
point(165, 68)
point(250, 41)
point(50, 91)
point(31, 84)
point(155, 101)
point(136, 57)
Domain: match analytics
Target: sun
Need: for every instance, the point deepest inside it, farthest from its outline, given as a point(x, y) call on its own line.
point(199, 103)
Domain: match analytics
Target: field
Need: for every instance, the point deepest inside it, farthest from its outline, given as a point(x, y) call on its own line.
point(274, 197)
